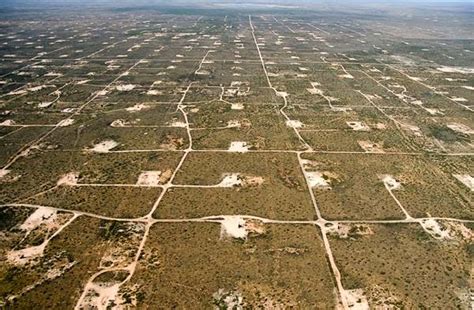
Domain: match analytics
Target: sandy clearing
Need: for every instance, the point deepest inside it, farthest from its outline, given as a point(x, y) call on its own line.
point(26, 255)
point(154, 92)
point(149, 178)
point(53, 74)
point(380, 126)
point(371, 147)
point(356, 299)
point(316, 179)
point(178, 124)
point(358, 126)
point(341, 109)
point(7, 122)
point(315, 91)
point(120, 253)
point(29, 255)
point(462, 70)
point(102, 92)
point(233, 227)
point(101, 296)
point(455, 80)
point(459, 99)
point(294, 124)
point(4, 172)
point(460, 231)
point(434, 111)
point(223, 299)
point(239, 147)
point(372, 97)
point(415, 129)
point(104, 146)
point(119, 123)
point(172, 143)
point(234, 124)
point(251, 181)
point(126, 87)
point(390, 182)
point(461, 128)
point(203, 72)
point(66, 122)
point(346, 76)
point(138, 107)
point(434, 228)
point(45, 104)
point(465, 179)
point(345, 231)
point(42, 215)
point(38, 88)
point(308, 164)
point(68, 179)
point(230, 180)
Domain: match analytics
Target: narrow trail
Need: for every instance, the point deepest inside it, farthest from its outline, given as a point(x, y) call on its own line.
point(278, 93)
point(334, 269)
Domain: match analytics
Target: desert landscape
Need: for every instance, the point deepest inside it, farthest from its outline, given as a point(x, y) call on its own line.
point(218, 156)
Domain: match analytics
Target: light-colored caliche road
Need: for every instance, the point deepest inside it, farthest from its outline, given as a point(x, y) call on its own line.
point(148, 218)
point(408, 219)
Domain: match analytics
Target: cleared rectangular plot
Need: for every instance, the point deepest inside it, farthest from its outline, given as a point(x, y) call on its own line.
point(266, 185)
point(268, 131)
point(402, 266)
point(91, 134)
point(189, 265)
point(125, 168)
point(358, 190)
point(354, 187)
point(125, 202)
point(386, 140)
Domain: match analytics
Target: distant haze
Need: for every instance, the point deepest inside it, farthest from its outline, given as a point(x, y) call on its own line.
point(232, 3)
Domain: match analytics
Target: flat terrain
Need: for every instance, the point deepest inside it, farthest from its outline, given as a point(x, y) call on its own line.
point(237, 159)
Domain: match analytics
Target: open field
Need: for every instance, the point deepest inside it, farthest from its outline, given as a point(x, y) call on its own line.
point(226, 158)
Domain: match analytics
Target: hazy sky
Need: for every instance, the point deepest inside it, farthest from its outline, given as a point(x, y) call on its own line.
point(222, 3)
